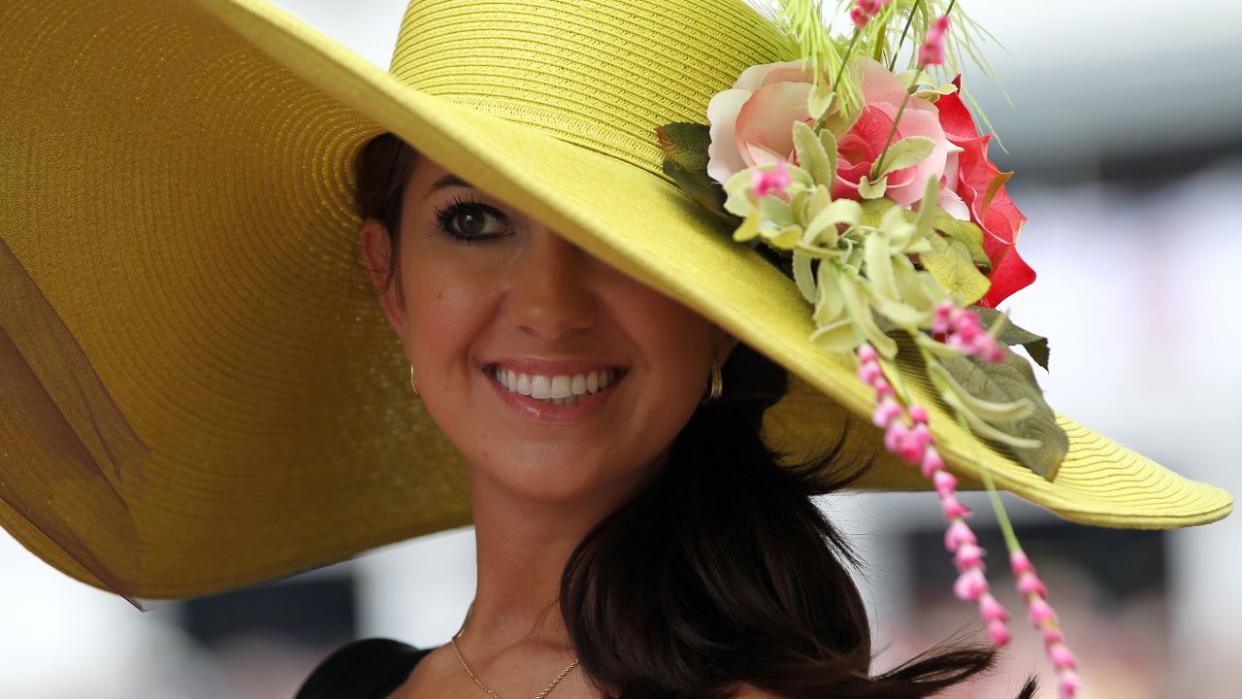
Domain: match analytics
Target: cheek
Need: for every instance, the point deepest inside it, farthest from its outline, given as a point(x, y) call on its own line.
point(675, 347)
point(445, 306)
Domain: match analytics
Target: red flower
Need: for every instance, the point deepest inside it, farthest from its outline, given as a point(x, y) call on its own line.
point(981, 186)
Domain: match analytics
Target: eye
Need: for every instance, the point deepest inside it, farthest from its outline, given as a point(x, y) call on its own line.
point(465, 220)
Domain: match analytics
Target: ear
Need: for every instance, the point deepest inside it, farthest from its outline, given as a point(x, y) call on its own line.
point(376, 251)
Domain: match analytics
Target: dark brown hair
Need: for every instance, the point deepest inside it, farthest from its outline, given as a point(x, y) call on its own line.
point(722, 570)
point(381, 171)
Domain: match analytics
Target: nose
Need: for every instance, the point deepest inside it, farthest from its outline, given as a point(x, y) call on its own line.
point(549, 293)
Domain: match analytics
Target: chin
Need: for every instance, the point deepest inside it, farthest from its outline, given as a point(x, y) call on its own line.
point(560, 484)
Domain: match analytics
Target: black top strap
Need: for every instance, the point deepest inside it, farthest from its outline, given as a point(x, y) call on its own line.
point(371, 668)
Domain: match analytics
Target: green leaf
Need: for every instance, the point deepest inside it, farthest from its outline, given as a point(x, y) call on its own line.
point(803, 278)
point(749, 228)
point(935, 92)
point(949, 262)
point(901, 314)
point(819, 100)
point(782, 237)
point(740, 201)
point(1035, 345)
point(778, 211)
point(859, 309)
point(829, 142)
point(991, 411)
point(985, 429)
point(685, 144)
point(872, 190)
point(939, 349)
point(831, 303)
point(929, 206)
point(897, 229)
point(966, 233)
point(701, 188)
point(811, 154)
point(917, 288)
point(822, 229)
point(907, 77)
point(879, 269)
point(902, 154)
point(840, 336)
point(816, 202)
point(874, 211)
point(1011, 380)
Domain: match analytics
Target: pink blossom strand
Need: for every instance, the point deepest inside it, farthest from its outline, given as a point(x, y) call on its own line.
point(965, 331)
point(864, 10)
point(932, 52)
point(1044, 619)
point(913, 443)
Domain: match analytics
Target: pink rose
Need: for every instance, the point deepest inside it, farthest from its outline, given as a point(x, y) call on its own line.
point(969, 175)
point(752, 123)
point(858, 150)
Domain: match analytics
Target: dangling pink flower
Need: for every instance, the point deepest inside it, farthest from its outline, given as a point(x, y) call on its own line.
point(970, 585)
point(932, 53)
point(1061, 657)
point(1044, 619)
point(991, 609)
point(932, 462)
point(965, 331)
point(998, 633)
point(912, 441)
point(863, 10)
point(945, 483)
point(968, 556)
point(958, 534)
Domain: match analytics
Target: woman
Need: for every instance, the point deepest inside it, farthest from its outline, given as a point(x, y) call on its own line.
point(210, 396)
point(652, 540)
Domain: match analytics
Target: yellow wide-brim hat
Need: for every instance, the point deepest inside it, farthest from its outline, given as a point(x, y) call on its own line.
point(198, 389)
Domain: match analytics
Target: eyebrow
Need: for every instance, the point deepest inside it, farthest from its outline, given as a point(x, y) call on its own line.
point(446, 182)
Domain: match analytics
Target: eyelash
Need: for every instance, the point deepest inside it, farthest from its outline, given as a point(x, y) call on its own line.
point(445, 215)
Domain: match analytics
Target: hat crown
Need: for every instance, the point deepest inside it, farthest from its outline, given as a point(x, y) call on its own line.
point(599, 74)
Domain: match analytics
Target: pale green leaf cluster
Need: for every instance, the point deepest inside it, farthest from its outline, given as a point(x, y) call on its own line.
point(859, 261)
point(873, 267)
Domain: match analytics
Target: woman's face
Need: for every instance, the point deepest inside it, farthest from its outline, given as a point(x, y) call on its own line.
point(523, 297)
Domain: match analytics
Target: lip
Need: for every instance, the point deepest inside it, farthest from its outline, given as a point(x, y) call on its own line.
point(542, 411)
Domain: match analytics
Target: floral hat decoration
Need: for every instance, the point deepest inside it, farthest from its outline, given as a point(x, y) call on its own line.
point(198, 390)
point(871, 186)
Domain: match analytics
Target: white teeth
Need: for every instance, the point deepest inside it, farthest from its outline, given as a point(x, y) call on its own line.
point(539, 386)
point(561, 389)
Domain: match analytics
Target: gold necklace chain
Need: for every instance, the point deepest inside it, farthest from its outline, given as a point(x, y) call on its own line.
point(484, 687)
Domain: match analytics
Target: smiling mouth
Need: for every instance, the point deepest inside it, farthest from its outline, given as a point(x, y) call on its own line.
point(568, 389)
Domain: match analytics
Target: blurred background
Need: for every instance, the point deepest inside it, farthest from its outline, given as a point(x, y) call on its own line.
point(1127, 141)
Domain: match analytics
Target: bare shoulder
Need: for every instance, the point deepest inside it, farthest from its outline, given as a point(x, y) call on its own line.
point(747, 691)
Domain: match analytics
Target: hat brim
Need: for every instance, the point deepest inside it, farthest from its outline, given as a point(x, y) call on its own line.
point(182, 197)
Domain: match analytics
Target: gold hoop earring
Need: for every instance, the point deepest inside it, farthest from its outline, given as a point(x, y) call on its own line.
point(717, 384)
point(414, 381)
